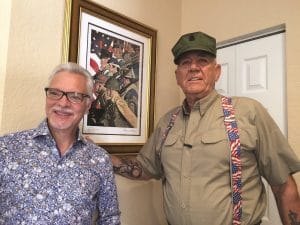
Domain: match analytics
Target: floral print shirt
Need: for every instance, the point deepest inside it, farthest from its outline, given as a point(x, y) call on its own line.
point(38, 186)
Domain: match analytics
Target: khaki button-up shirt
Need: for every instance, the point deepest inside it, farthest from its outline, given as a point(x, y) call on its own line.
point(194, 164)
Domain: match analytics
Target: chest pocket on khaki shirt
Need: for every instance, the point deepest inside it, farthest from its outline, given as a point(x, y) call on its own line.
point(171, 139)
point(214, 136)
point(248, 137)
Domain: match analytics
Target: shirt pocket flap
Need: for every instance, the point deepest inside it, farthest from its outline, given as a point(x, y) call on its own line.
point(171, 139)
point(214, 136)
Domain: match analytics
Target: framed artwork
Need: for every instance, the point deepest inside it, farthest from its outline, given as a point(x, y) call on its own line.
point(120, 54)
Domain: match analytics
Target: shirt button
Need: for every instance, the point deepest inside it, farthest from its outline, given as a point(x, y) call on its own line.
point(187, 177)
point(183, 205)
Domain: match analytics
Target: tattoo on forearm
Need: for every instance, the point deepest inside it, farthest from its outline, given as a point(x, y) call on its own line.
point(293, 218)
point(129, 168)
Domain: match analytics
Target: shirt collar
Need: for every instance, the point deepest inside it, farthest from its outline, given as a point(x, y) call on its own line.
point(202, 104)
point(43, 130)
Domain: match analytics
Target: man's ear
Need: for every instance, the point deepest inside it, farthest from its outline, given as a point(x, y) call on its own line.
point(88, 103)
point(218, 69)
point(176, 71)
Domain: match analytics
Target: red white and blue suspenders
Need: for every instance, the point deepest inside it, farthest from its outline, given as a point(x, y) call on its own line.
point(235, 161)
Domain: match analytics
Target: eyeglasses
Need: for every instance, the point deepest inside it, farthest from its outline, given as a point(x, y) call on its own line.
point(56, 94)
point(186, 63)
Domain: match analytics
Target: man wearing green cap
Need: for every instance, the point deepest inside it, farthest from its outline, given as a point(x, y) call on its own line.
point(212, 151)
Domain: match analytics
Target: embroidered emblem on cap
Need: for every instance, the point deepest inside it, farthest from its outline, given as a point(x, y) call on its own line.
point(191, 38)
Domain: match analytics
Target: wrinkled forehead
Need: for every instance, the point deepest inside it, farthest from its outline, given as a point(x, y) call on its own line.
point(69, 81)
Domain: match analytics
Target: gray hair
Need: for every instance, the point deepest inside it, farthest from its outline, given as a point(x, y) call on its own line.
point(77, 69)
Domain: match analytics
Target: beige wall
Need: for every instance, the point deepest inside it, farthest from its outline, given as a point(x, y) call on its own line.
point(4, 28)
point(33, 48)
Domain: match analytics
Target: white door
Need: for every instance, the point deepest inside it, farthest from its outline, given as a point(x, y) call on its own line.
point(256, 69)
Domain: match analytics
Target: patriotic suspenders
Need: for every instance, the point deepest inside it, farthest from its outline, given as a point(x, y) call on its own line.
point(235, 161)
point(166, 132)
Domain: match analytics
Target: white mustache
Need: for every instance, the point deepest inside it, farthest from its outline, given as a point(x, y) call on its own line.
point(62, 110)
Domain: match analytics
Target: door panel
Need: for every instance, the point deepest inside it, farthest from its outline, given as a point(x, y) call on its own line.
point(260, 74)
point(226, 84)
point(256, 69)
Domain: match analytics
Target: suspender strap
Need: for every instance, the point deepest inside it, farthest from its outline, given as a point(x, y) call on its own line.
point(235, 161)
point(166, 131)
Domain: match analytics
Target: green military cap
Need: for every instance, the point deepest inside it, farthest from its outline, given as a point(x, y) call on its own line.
point(193, 42)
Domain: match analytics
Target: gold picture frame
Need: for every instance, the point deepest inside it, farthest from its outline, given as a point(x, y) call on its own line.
point(120, 53)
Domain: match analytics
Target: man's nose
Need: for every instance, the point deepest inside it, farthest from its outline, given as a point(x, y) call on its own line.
point(194, 65)
point(64, 100)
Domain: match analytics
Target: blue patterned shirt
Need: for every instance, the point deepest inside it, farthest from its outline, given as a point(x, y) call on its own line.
point(38, 186)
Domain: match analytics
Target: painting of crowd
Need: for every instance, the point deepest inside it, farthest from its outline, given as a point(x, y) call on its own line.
point(115, 64)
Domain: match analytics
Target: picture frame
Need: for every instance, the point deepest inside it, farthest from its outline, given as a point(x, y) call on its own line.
point(120, 54)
